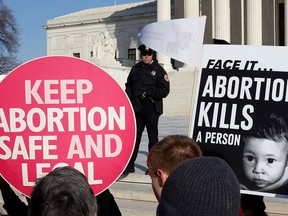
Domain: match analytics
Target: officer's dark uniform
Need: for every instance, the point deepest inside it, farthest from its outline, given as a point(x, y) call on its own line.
point(146, 85)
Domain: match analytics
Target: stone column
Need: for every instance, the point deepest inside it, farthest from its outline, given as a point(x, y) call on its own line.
point(222, 19)
point(254, 22)
point(164, 13)
point(191, 8)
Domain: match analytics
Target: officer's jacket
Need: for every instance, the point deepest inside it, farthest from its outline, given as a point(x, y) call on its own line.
point(149, 83)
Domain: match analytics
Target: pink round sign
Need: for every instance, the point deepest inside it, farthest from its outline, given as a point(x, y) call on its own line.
point(58, 111)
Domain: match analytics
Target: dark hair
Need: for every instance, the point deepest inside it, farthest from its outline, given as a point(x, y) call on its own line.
point(63, 192)
point(269, 126)
point(172, 150)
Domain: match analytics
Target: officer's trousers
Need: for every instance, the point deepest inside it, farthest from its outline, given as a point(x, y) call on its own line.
point(147, 117)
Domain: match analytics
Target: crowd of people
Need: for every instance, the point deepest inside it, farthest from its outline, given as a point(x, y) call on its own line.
point(183, 180)
point(187, 183)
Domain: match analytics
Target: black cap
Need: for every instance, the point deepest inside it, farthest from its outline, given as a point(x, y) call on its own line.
point(145, 50)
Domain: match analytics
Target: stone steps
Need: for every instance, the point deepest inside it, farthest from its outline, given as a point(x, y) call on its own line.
point(136, 208)
point(134, 195)
point(135, 186)
point(276, 206)
point(133, 191)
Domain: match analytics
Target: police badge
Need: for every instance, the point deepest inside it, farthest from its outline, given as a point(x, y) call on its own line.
point(153, 73)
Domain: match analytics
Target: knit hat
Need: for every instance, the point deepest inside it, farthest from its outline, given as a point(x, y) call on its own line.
point(203, 186)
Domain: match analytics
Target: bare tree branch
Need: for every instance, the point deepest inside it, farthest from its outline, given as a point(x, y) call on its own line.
point(8, 30)
point(9, 39)
point(8, 63)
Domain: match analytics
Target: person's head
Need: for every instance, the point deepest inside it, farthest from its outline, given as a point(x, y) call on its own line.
point(63, 192)
point(201, 186)
point(147, 54)
point(265, 154)
point(166, 155)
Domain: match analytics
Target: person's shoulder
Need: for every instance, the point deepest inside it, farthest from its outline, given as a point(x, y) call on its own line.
point(136, 66)
point(158, 66)
point(162, 71)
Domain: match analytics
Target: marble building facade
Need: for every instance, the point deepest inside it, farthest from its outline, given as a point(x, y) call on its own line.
point(109, 35)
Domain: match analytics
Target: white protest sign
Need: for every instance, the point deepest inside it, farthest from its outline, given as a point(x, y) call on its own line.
point(181, 39)
point(58, 111)
point(241, 114)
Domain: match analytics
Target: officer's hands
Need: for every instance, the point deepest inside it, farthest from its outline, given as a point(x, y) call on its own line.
point(143, 94)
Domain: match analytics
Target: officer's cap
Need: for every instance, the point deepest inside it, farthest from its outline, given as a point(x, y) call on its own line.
point(145, 50)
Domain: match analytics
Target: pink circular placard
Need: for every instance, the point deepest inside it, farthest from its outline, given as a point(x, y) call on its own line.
point(58, 111)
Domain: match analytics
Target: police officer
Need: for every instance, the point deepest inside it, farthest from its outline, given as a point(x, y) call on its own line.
point(147, 84)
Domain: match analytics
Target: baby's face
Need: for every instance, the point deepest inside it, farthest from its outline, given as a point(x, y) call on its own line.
point(264, 161)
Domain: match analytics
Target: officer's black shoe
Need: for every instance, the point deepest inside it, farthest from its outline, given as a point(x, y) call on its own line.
point(126, 172)
point(129, 170)
point(122, 176)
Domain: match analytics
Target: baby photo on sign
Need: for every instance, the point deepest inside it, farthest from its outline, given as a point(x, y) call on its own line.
point(265, 155)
